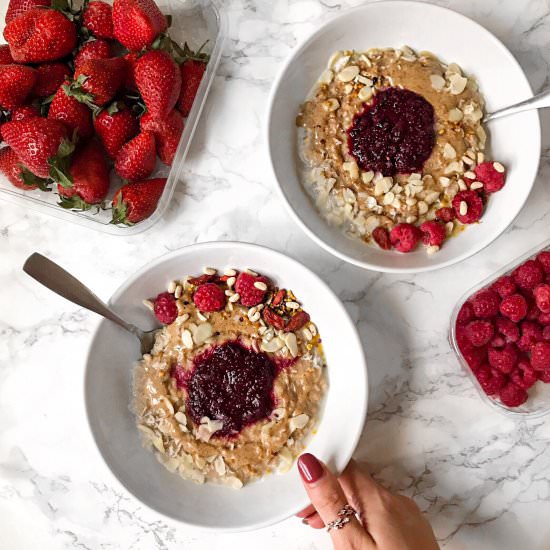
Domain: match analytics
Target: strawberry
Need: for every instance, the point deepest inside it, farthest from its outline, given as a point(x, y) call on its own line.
point(49, 77)
point(98, 80)
point(130, 81)
point(40, 143)
point(137, 158)
point(5, 55)
point(90, 178)
point(191, 76)
point(40, 35)
point(167, 133)
point(17, 7)
point(134, 202)
point(24, 112)
point(115, 126)
point(137, 23)
point(98, 19)
point(94, 49)
point(17, 174)
point(67, 109)
point(159, 82)
point(16, 83)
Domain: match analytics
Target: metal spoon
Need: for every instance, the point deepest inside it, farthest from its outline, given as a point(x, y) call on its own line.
point(538, 101)
point(57, 279)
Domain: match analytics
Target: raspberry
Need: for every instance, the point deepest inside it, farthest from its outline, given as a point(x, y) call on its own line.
point(434, 233)
point(382, 238)
point(466, 314)
point(512, 395)
point(507, 328)
point(544, 375)
point(544, 319)
point(474, 206)
point(533, 312)
point(165, 308)
point(524, 377)
point(540, 356)
point(250, 295)
point(514, 307)
point(445, 214)
point(546, 333)
point(479, 332)
point(497, 341)
point(486, 304)
point(542, 297)
point(404, 237)
point(544, 260)
point(505, 286)
point(528, 275)
point(504, 359)
point(492, 179)
point(491, 380)
point(475, 357)
point(209, 297)
point(531, 332)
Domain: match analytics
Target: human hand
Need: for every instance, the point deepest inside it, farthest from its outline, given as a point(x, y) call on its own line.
point(385, 521)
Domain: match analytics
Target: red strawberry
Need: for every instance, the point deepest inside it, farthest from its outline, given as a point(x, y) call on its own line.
point(40, 35)
point(17, 7)
point(115, 126)
point(90, 178)
point(40, 143)
point(49, 77)
point(98, 80)
point(134, 202)
point(25, 111)
point(130, 81)
point(16, 83)
point(137, 158)
point(98, 19)
point(137, 23)
point(167, 133)
point(94, 49)
point(159, 82)
point(191, 76)
point(17, 174)
point(75, 115)
point(5, 55)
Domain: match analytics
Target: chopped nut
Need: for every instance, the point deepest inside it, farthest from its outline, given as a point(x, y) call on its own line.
point(298, 422)
point(432, 249)
point(449, 151)
point(172, 287)
point(348, 73)
point(365, 93)
point(186, 339)
point(437, 81)
point(331, 104)
point(367, 176)
point(476, 185)
point(457, 84)
point(455, 115)
point(463, 208)
point(326, 76)
point(230, 272)
point(422, 207)
point(498, 167)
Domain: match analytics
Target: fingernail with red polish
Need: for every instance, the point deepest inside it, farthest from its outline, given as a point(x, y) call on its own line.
point(310, 468)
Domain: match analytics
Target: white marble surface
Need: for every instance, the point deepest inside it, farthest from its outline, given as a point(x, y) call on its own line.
point(482, 479)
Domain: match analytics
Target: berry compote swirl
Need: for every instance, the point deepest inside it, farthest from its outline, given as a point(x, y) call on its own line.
point(231, 383)
point(393, 135)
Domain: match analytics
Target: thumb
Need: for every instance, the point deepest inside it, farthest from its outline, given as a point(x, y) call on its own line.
point(327, 497)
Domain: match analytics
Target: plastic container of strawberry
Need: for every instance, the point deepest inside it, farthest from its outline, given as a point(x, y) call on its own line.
point(538, 402)
point(194, 22)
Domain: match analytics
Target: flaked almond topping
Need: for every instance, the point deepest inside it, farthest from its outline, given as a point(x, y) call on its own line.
point(235, 297)
point(202, 333)
point(432, 249)
point(250, 272)
point(449, 151)
point(367, 176)
point(230, 272)
point(470, 175)
point(181, 418)
point(457, 84)
point(365, 93)
point(255, 317)
point(476, 185)
point(449, 226)
point(207, 428)
point(209, 271)
point(480, 157)
point(172, 287)
point(463, 208)
point(467, 160)
point(352, 168)
point(388, 198)
point(229, 292)
point(292, 305)
point(307, 334)
point(338, 60)
point(298, 422)
point(422, 207)
point(273, 345)
point(219, 465)
point(201, 316)
point(455, 115)
point(187, 339)
point(437, 81)
point(444, 181)
point(326, 76)
point(498, 167)
point(231, 281)
point(291, 343)
point(455, 166)
point(178, 292)
point(331, 104)
point(348, 73)
point(461, 184)
point(260, 285)
point(411, 201)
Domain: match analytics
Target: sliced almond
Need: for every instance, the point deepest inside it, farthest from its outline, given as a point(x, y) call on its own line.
point(186, 339)
point(326, 76)
point(498, 167)
point(202, 333)
point(298, 422)
point(291, 343)
point(273, 345)
point(437, 81)
point(365, 93)
point(457, 84)
point(455, 115)
point(449, 151)
point(348, 73)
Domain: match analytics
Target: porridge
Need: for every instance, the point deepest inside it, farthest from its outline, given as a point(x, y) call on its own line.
point(233, 385)
point(393, 148)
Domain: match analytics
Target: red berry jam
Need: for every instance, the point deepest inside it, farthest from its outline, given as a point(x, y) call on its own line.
point(393, 135)
point(233, 384)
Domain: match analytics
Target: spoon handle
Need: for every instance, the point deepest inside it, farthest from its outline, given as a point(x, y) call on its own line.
point(59, 281)
point(538, 101)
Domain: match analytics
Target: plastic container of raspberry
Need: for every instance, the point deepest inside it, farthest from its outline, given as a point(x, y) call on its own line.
point(538, 402)
point(194, 22)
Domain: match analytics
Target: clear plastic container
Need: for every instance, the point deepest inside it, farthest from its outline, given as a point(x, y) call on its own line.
point(538, 403)
point(193, 21)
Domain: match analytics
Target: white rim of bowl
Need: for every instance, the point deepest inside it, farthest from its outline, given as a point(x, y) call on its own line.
point(354, 333)
point(294, 214)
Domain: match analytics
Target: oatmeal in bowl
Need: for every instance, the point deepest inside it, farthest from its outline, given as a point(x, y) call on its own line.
point(233, 386)
point(394, 148)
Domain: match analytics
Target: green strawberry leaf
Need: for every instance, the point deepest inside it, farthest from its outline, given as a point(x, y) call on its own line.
point(60, 163)
point(74, 203)
point(31, 180)
point(120, 212)
point(183, 54)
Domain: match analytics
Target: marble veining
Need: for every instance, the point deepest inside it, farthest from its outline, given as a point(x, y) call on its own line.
point(482, 479)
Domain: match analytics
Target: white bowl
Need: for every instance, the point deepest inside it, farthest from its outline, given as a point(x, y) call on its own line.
point(515, 140)
point(107, 393)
